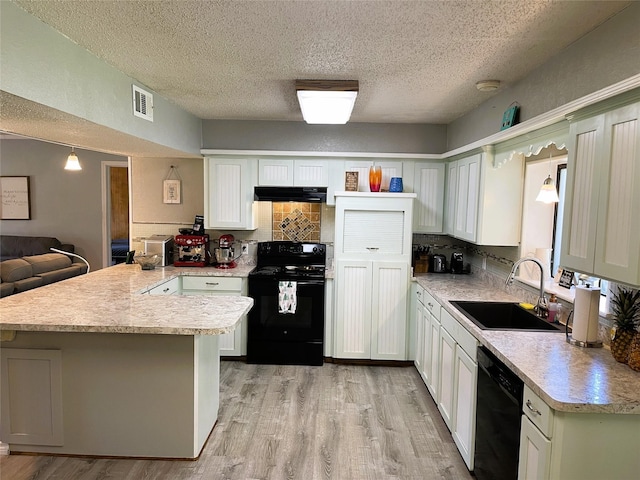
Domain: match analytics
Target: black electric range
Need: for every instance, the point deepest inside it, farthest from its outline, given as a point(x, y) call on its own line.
point(286, 323)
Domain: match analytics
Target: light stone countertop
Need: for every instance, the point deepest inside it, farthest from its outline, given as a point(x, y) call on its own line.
point(566, 377)
point(111, 300)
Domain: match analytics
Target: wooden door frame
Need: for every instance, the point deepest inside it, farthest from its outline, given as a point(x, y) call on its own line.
point(106, 206)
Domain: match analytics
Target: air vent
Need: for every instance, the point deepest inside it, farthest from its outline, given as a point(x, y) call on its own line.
point(142, 103)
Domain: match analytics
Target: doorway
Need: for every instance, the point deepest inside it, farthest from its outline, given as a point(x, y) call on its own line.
point(115, 212)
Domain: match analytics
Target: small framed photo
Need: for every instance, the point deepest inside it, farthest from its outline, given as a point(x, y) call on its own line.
point(566, 278)
point(171, 191)
point(351, 181)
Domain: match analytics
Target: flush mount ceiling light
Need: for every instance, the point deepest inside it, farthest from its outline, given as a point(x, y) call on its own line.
point(72, 161)
point(326, 101)
point(488, 85)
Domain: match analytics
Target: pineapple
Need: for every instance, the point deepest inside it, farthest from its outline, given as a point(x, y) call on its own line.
point(626, 316)
point(634, 353)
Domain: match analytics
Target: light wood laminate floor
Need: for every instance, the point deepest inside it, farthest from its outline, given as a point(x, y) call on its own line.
point(293, 422)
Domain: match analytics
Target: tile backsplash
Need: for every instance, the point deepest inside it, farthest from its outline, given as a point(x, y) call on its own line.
point(296, 221)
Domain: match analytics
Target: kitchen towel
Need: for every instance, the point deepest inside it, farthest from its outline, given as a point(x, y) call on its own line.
point(287, 297)
point(586, 307)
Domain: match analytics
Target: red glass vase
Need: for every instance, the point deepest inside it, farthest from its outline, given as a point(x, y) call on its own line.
point(375, 178)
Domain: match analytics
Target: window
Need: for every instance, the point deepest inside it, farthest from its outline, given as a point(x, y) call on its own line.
point(542, 224)
point(561, 185)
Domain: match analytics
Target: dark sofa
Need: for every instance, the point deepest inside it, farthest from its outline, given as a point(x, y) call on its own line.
point(28, 262)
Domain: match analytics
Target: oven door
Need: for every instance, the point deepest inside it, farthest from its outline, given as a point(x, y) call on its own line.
point(305, 324)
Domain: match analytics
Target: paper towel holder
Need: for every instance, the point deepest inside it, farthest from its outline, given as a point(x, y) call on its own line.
point(573, 341)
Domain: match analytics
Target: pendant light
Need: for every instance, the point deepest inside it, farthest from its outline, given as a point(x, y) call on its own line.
point(72, 161)
point(548, 193)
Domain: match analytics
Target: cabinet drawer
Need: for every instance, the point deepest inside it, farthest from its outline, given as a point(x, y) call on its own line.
point(420, 294)
point(538, 411)
point(460, 334)
point(167, 288)
point(212, 283)
point(431, 304)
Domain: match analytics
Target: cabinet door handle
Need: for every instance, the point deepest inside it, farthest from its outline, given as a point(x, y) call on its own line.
point(532, 408)
point(212, 283)
point(373, 249)
point(165, 290)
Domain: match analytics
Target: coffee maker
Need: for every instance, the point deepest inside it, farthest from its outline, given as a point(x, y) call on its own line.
point(225, 255)
point(193, 250)
point(457, 262)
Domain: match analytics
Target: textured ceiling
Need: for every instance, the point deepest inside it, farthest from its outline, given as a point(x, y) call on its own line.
point(32, 120)
point(416, 61)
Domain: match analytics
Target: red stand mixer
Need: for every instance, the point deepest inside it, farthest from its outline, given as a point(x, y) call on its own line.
point(225, 255)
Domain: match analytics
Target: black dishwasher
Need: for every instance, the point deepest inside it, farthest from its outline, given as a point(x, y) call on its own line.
point(498, 414)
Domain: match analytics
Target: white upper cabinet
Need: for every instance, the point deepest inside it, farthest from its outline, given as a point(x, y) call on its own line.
point(484, 201)
point(450, 203)
point(293, 172)
point(228, 193)
point(601, 231)
point(374, 225)
point(428, 184)
point(468, 183)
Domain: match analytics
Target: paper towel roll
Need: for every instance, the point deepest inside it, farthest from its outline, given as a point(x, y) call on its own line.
point(585, 314)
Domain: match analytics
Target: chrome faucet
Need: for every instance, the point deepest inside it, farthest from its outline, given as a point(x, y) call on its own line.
point(542, 307)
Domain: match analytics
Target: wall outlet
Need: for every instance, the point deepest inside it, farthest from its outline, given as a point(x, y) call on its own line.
point(245, 248)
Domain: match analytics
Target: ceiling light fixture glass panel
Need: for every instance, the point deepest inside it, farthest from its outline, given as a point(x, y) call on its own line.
point(331, 107)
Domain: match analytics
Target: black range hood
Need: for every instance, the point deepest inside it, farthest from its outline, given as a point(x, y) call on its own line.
point(291, 194)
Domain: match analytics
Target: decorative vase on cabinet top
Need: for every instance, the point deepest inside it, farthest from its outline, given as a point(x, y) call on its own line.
point(395, 184)
point(375, 178)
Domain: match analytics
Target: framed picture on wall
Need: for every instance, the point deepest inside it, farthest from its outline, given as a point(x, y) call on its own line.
point(171, 191)
point(15, 194)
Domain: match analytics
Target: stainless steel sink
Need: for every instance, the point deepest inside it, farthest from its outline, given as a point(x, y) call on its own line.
point(504, 316)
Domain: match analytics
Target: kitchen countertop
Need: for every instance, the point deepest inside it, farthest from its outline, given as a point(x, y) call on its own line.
point(111, 300)
point(566, 377)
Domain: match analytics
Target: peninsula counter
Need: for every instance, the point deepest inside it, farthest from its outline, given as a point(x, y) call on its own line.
point(95, 365)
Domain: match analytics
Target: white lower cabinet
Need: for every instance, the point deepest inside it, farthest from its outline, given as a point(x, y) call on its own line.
point(420, 325)
point(446, 379)
point(464, 418)
point(371, 309)
point(431, 359)
point(233, 344)
point(557, 445)
point(432, 356)
point(31, 396)
point(535, 452)
point(446, 361)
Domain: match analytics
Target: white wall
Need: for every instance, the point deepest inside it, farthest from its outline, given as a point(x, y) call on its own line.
point(603, 57)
